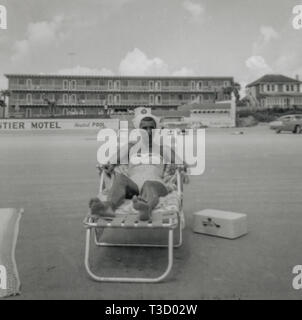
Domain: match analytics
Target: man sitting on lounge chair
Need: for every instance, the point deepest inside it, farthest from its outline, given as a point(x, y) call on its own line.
point(143, 183)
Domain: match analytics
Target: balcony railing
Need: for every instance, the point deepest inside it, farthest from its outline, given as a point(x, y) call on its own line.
point(98, 102)
point(114, 89)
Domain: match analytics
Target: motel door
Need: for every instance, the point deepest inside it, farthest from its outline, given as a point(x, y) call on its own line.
point(28, 113)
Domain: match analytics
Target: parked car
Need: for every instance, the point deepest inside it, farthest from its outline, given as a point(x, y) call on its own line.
point(291, 122)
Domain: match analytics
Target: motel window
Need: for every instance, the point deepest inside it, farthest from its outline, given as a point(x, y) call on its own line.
point(58, 83)
point(73, 99)
point(88, 83)
point(193, 97)
point(193, 86)
point(82, 98)
point(124, 83)
point(65, 98)
point(22, 82)
point(28, 98)
point(28, 113)
point(102, 83)
point(73, 85)
point(110, 85)
point(117, 99)
point(157, 85)
point(268, 87)
point(65, 84)
point(36, 82)
point(28, 83)
point(117, 85)
point(292, 87)
point(151, 85)
point(151, 99)
point(13, 81)
point(199, 85)
point(36, 96)
point(287, 87)
point(186, 83)
point(110, 99)
point(158, 99)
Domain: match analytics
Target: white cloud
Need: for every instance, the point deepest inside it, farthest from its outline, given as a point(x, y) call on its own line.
point(137, 63)
point(39, 34)
point(195, 9)
point(79, 70)
point(184, 71)
point(267, 34)
point(257, 65)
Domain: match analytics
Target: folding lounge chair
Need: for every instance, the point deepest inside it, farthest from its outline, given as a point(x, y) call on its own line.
point(167, 216)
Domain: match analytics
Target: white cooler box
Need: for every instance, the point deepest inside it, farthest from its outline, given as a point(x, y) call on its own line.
point(219, 223)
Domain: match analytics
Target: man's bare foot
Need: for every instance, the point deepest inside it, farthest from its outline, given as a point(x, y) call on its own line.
point(100, 209)
point(143, 208)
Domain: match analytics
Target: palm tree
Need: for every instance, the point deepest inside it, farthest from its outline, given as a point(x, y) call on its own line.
point(4, 94)
point(235, 88)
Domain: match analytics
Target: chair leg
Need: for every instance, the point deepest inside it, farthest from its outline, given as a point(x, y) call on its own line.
point(128, 279)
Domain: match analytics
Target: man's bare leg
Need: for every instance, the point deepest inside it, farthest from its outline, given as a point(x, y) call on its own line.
point(100, 209)
point(149, 198)
point(121, 189)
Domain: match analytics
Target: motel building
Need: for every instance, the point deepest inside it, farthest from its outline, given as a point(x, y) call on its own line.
point(42, 96)
point(274, 90)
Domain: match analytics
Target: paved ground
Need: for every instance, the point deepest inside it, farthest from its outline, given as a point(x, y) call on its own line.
point(258, 173)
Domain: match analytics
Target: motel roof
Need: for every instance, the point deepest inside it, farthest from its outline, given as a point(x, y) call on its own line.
point(273, 78)
point(115, 76)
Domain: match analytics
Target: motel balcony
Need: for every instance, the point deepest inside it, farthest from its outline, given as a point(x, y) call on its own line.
point(101, 103)
point(113, 89)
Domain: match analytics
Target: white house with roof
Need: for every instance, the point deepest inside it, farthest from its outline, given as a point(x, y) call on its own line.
point(275, 90)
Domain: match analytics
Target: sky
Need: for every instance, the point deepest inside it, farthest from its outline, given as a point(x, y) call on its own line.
point(240, 38)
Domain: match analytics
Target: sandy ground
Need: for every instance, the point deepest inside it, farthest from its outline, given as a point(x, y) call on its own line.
point(52, 176)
